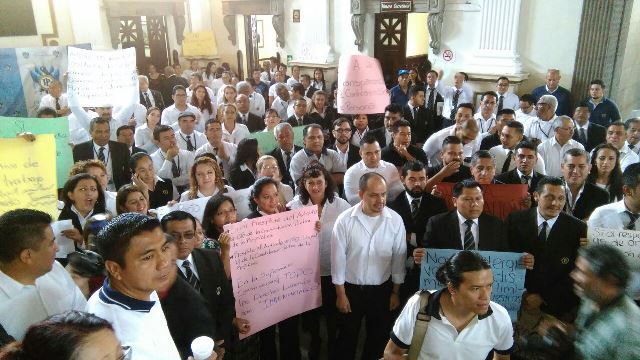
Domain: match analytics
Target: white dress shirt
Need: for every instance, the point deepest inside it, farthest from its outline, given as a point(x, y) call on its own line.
point(388, 171)
point(281, 107)
point(143, 139)
point(539, 129)
point(50, 102)
point(552, 153)
point(152, 100)
point(191, 264)
point(257, 104)
point(357, 136)
point(184, 160)
point(328, 158)
point(24, 305)
point(525, 119)
point(627, 157)
point(484, 124)
point(170, 115)
point(500, 156)
point(229, 149)
point(509, 101)
point(197, 139)
point(463, 228)
point(447, 92)
point(119, 117)
point(272, 89)
point(540, 220)
point(611, 216)
point(433, 146)
point(362, 254)
point(328, 216)
point(636, 147)
point(107, 159)
point(239, 132)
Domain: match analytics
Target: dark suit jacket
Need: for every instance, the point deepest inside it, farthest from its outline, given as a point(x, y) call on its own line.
point(429, 206)
point(554, 259)
point(327, 122)
point(294, 122)
point(119, 159)
point(284, 172)
point(169, 83)
point(463, 173)
point(389, 154)
point(422, 125)
point(353, 156)
point(215, 288)
point(136, 149)
point(511, 177)
point(443, 232)
point(379, 134)
point(241, 179)
point(490, 141)
point(187, 315)
point(254, 122)
point(591, 198)
point(595, 136)
point(157, 97)
point(310, 91)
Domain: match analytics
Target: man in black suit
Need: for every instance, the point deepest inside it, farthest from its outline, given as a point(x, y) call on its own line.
point(525, 154)
point(251, 120)
point(582, 196)
point(452, 169)
point(124, 134)
point(342, 134)
point(587, 133)
point(392, 114)
point(553, 237)
point(113, 154)
point(299, 116)
point(203, 269)
point(172, 80)
point(149, 97)
point(502, 118)
point(416, 206)
point(400, 150)
point(432, 99)
point(284, 152)
point(415, 112)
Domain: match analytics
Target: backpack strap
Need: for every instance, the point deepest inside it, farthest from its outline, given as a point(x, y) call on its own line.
point(420, 328)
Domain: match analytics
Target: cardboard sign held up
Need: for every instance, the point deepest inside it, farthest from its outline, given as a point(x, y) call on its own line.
point(361, 88)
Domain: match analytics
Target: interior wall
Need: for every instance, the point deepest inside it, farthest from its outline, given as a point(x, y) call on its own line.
point(417, 34)
point(627, 92)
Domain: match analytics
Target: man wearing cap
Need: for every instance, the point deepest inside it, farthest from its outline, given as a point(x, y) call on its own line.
point(187, 137)
point(400, 92)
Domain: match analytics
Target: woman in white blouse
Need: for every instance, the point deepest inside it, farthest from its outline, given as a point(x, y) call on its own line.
point(201, 100)
point(231, 131)
point(267, 165)
point(205, 179)
point(144, 134)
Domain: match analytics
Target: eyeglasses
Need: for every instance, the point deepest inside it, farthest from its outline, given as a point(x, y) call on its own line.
point(541, 105)
point(342, 130)
point(126, 353)
point(185, 236)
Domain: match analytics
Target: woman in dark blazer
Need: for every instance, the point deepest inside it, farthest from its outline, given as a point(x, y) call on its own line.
point(243, 170)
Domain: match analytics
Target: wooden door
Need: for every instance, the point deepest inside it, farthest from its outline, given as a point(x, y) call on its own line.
point(132, 35)
point(148, 35)
point(390, 46)
point(157, 41)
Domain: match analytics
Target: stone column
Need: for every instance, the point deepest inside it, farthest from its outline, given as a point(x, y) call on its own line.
point(497, 51)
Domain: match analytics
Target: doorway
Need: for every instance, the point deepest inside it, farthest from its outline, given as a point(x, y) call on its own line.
point(148, 35)
point(390, 45)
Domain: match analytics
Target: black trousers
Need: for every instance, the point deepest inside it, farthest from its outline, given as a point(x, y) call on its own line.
point(372, 303)
point(289, 340)
point(312, 320)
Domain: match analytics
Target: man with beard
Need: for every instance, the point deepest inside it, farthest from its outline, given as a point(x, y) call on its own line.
point(350, 154)
point(415, 205)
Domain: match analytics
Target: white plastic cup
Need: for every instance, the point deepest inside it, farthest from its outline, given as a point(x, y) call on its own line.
point(202, 347)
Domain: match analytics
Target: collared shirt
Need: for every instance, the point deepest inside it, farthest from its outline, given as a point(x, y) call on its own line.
point(229, 149)
point(257, 104)
point(611, 216)
point(521, 174)
point(525, 119)
point(570, 204)
point(388, 171)
point(281, 107)
point(191, 264)
point(343, 155)
point(636, 147)
point(170, 115)
point(144, 139)
point(627, 157)
point(603, 113)
point(539, 129)
point(490, 331)
point(433, 146)
point(448, 92)
point(107, 159)
point(328, 158)
point(363, 254)
point(552, 153)
point(24, 305)
point(133, 321)
point(485, 124)
point(239, 132)
point(475, 229)
point(50, 102)
point(197, 139)
point(149, 94)
point(328, 216)
point(184, 160)
point(541, 220)
point(509, 101)
point(357, 136)
point(81, 219)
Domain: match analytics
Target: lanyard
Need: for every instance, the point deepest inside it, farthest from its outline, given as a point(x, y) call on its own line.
point(193, 137)
point(488, 126)
point(545, 133)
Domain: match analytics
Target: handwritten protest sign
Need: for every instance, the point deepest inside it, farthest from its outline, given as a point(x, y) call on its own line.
point(59, 127)
point(28, 175)
point(627, 241)
point(508, 275)
point(275, 266)
point(499, 199)
point(201, 43)
point(193, 207)
point(102, 78)
point(267, 141)
point(361, 87)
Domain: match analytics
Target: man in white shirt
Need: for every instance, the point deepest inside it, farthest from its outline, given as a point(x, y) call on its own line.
point(465, 128)
point(55, 99)
point(314, 150)
point(486, 117)
point(33, 286)
point(225, 152)
point(170, 114)
point(617, 136)
point(526, 111)
point(459, 93)
point(368, 251)
point(256, 101)
point(506, 99)
point(121, 117)
point(138, 260)
point(278, 78)
point(295, 76)
point(541, 128)
point(553, 149)
point(188, 138)
point(282, 102)
point(464, 323)
point(169, 161)
point(371, 162)
point(505, 154)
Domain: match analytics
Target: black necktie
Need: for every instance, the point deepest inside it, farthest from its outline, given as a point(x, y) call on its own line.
point(500, 102)
point(101, 154)
point(469, 242)
point(431, 98)
point(175, 171)
point(525, 179)
point(632, 220)
point(146, 99)
point(507, 162)
point(190, 146)
point(415, 112)
point(244, 119)
point(191, 277)
point(415, 207)
point(583, 136)
point(631, 146)
point(542, 236)
point(454, 104)
point(300, 122)
point(287, 159)
point(57, 103)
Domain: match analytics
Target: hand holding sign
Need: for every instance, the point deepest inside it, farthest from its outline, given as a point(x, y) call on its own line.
point(361, 88)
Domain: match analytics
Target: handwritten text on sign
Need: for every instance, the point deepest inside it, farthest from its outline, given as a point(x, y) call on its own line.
point(500, 200)
point(361, 87)
point(28, 174)
point(627, 241)
point(102, 78)
point(508, 275)
point(275, 266)
point(193, 207)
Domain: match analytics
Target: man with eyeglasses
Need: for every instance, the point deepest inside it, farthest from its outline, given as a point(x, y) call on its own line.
point(203, 270)
point(541, 128)
point(350, 154)
point(554, 148)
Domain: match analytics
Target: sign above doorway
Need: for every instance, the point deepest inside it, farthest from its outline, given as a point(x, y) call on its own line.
point(396, 6)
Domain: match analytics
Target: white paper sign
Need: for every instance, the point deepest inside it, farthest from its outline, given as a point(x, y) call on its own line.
point(627, 241)
point(102, 78)
point(65, 245)
point(193, 207)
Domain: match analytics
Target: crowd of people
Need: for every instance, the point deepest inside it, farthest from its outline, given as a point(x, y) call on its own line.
point(142, 287)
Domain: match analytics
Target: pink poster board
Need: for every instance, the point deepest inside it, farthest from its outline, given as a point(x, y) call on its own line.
point(361, 88)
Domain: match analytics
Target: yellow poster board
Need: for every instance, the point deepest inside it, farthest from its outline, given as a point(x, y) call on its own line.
point(28, 174)
point(202, 43)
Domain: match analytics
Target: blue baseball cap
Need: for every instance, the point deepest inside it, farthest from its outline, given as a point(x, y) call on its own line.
point(403, 72)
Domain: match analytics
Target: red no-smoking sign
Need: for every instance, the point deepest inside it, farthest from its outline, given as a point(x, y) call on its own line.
point(447, 55)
